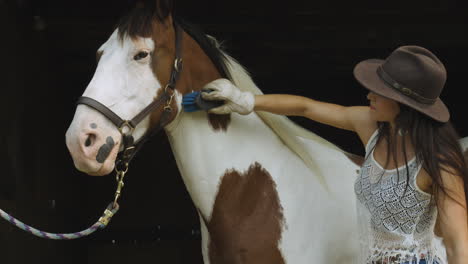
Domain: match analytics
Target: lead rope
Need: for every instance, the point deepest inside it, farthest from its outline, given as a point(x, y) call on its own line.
point(121, 168)
point(110, 211)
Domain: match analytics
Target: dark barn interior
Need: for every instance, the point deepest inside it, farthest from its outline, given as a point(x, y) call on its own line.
point(300, 47)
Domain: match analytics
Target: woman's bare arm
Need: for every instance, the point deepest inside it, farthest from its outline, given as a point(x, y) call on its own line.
point(453, 221)
point(353, 118)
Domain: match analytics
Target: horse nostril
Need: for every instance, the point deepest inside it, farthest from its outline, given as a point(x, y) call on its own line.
point(90, 140)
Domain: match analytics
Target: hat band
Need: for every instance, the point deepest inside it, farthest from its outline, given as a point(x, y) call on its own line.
point(402, 89)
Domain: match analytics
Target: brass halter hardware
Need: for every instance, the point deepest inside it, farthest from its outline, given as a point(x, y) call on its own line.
point(177, 64)
point(128, 125)
point(168, 107)
point(120, 175)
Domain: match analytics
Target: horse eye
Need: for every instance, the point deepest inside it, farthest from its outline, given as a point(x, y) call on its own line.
point(140, 55)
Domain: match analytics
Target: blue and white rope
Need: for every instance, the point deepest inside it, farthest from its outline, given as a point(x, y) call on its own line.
point(101, 224)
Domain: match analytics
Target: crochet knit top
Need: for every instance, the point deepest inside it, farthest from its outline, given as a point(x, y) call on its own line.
point(396, 219)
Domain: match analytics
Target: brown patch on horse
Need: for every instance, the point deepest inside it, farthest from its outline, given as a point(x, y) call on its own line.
point(219, 122)
point(247, 219)
point(358, 160)
point(197, 69)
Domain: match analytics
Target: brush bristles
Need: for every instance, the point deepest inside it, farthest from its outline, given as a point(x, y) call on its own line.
point(189, 103)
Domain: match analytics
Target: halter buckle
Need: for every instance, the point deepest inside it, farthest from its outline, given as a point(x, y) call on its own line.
point(178, 64)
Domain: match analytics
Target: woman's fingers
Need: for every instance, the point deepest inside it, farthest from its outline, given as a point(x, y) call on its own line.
point(214, 95)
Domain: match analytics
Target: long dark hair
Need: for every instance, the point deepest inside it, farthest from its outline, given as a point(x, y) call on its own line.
point(436, 146)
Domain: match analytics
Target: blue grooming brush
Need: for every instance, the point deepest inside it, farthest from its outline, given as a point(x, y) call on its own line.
point(193, 102)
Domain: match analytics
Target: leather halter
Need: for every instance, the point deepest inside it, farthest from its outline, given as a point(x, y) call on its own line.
point(126, 127)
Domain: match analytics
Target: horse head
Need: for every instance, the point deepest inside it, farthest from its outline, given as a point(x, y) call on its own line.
point(135, 67)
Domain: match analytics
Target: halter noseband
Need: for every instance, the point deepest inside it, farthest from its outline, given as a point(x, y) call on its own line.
point(126, 127)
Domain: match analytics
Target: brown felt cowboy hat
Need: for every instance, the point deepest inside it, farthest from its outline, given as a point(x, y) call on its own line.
point(411, 75)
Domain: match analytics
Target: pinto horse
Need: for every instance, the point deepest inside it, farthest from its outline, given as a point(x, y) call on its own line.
point(266, 190)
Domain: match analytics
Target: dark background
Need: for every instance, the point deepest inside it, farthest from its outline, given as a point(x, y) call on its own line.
point(300, 47)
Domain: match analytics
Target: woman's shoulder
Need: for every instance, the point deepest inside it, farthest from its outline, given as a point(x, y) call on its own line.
point(364, 125)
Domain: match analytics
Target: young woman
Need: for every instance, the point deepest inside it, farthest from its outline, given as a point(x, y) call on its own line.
point(411, 189)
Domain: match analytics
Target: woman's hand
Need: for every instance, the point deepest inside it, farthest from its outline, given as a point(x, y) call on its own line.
point(235, 99)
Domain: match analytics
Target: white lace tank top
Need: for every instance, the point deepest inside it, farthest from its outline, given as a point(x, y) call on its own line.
point(396, 219)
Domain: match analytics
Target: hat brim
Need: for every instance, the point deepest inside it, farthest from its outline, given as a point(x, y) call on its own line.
point(365, 73)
